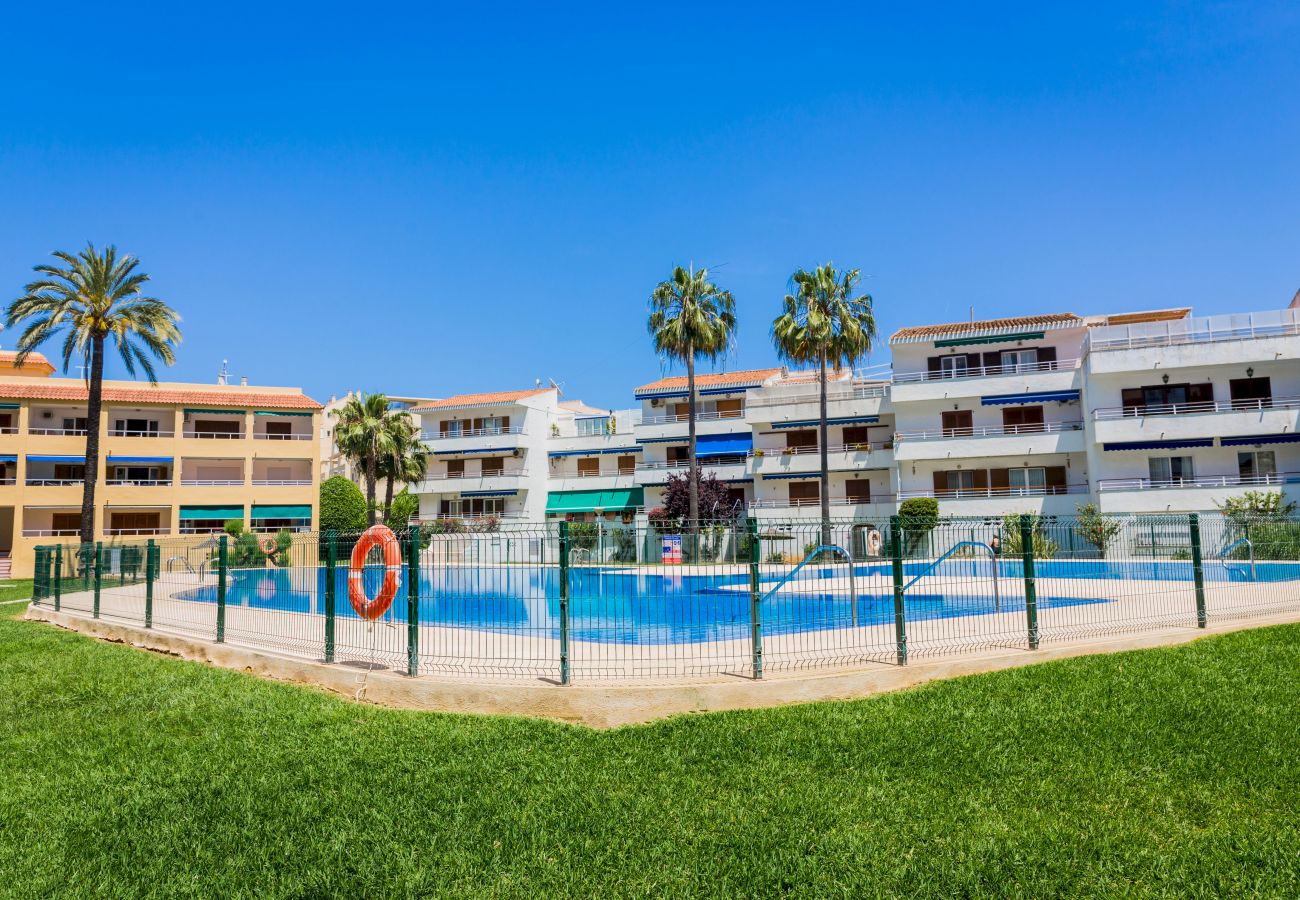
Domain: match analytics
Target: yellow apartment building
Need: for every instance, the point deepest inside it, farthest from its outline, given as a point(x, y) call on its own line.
point(175, 459)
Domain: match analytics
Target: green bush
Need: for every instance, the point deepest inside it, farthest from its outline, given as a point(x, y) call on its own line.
point(918, 516)
point(342, 505)
point(582, 535)
point(284, 547)
point(1044, 546)
point(1096, 528)
point(405, 507)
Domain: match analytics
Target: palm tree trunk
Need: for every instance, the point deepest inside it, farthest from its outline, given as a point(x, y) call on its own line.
point(825, 486)
point(693, 473)
point(372, 479)
point(94, 408)
point(388, 494)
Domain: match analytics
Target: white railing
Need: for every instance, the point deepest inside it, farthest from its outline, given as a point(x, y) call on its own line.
point(73, 432)
point(138, 482)
point(778, 396)
point(1199, 481)
point(116, 532)
point(10, 480)
point(212, 482)
point(282, 482)
point(470, 432)
point(453, 476)
point(597, 474)
point(54, 482)
point(218, 435)
point(8, 429)
point(303, 525)
point(712, 462)
point(295, 436)
point(858, 447)
point(1192, 409)
point(138, 432)
point(699, 417)
point(1198, 330)
point(784, 503)
point(469, 519)
point(1061, 365)
point(972, 493)
point(51, 532)
point(989, 431)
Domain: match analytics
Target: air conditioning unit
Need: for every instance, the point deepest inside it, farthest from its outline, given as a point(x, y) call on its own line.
point(46, 414)
point(656, 402)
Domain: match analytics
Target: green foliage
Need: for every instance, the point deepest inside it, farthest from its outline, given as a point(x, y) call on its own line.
point(917, 516)
point(1044, 546)
point(582, 535)
point(1266, 518)
point(1096, 528)
point(342, 506)
point(405, 506)
point(1257, 506)
point(233, 527)
point(1277, 540)
point(284, 548)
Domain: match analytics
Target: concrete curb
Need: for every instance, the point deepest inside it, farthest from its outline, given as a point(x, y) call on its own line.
point(609, 705)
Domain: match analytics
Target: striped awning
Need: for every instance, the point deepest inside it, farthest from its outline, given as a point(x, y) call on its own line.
point(791, 476)
point(813, 423)
point(1251, 440)
point(1039, 397)
point(1158, 445)
point(488, 493)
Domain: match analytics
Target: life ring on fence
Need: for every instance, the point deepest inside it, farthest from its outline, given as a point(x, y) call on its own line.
point(367, 608)
point(873, 542)
point(268, 546)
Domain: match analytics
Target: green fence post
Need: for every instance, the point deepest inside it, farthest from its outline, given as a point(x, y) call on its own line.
point(564, 602)
point(86, 553)
point(38, 563)
point(1031, 588)
point(900, 609)
point(331, 579)
point(99, 574)
point(150, 548)
point(1198, 574)
point(755, 601)
point(413, 606)
point(222, 561)
point(58, 576)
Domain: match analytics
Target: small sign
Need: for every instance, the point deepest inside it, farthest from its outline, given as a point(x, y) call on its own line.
point(672, 549)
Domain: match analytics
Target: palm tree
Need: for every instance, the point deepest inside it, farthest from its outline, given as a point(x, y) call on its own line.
point(691, 317)
point(406, 460)
point(364, 432)
point(89, 299)
point(824, 323)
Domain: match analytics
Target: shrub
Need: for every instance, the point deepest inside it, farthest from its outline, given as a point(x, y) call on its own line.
point(918, 516)
point(1011, 545)
point(283, 547)
point(342, 505)
point(405, 507)
point(1097, 529)
point(582, 535)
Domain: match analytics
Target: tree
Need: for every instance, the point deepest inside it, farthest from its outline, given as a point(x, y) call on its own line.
point(714, 499)
point(92, 298)
point(917, 516)
point(1257, 506)
point(1097, 529)
point(1012, 545)
point(691, 317)
point(400, 512)
point(824, 323)
point(405, 459)
point(342, 508)
point(364, 432)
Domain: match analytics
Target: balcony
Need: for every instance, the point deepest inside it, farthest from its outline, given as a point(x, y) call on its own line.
point(609, 480)
point(1236, 418)
point(1205, 481)
point(839, 458)
point(655, 474)
point(210, 435)
point(55, 482)
point(674, 426)
point(451, 483)
point(138, 482)
point(282, 482)
point(840, 506)
point(1051, 376)
point(57, 432)
point(1200, 493)
point(212, 482)
point(474, 440)
point(998, 502)
point(139, 433)
point(783, 403)
point(1194, 342)
point(982, 441)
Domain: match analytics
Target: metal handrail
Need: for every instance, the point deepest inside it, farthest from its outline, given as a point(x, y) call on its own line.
point(136, 432)
point(1250, 547)
point(987, 371)
point(832, 396)
point(1200, 330)
point(989, 431)
point(1201, 407)
point(993, 558)
point(969, 493)
point(817, 551)
point(1136, 484)
point(855, 447)
point(470, 432)
point(699, 417)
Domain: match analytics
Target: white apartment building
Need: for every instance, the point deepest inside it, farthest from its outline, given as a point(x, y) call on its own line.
point(332, 460)
point(592, 458)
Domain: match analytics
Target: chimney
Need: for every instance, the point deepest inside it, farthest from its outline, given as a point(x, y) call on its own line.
point(243, 381)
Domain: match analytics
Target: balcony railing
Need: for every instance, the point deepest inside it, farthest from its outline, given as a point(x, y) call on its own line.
point(8, 429)
point(779, 397)
point(139, 432)
point(699, 417)
point(54, 482)
point(470, 432)
point(856, 447)
point(1200, 481)
point(117, 532)
point(1195, 409)
point(502, 473)
point(9, 480)
point(712, 462)
point(785, 503)
point(987, 371)
point(218, 435)
point(138, 482)
point(282, 482)
point(212, 482)
point(294, 436)
point(972, 493)
point(1199, 330)
point(51, 532)
point(609, 473)
point(71, 432)
point(989, 431)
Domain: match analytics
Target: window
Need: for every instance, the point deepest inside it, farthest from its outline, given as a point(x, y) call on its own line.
point(75, 423)
point(856, 437)
point(801, 440)
point(490, 425)
point(134, 521)
point(65, 522)
point(452, 427)
point(1256, 465)
point(1170, 469)
point(70, 472)
point(588, 466)
point(493, 465)
point(455, 468)
point(1019, 360)
point(1251, 393)
point(678, 455)
point(279, 429)
point(804, 493)
point(1166, 398)
point(680, 410)
point(216, 427)
point(857, 490)
point(626, 465)
point(135, 427)
point(137, 473)
point(952, 366)
point(959, 481)
point(731, 409)
point(1022, 419)
point(957, 423)
point(1027, 481)
point(592, 426)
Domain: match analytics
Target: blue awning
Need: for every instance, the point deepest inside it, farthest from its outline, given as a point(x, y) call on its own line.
point(56, 459)
point(140, 459)
point(734, 389)
point(657, 395)
point(662, 440)
point(8, 458)
point(1040, 397)
point(280, 412)
point(812, 423)
point(1158, 445)
point(488, 493)
point(707, 445)
point(786, 476)
point(555, 453)
point(1291, 438)
point(486, 451)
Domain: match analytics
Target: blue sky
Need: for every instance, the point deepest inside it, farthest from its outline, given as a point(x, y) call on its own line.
point(432, 199)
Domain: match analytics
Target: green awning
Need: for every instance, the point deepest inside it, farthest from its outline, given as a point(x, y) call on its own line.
point(214, 412)
point(209, 513)
point(281, 412)
point(281, 511)
point(8, 405)
point(991, 339)
point(594, 501)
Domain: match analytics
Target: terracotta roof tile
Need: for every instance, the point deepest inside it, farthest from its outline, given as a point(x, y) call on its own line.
point(72, 389)
point(487, 399)
point(742, 378)
point(952, 329)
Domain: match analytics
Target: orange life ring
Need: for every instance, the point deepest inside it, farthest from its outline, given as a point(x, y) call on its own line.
point(365, 607)
point(873, 542)
point(268, 546)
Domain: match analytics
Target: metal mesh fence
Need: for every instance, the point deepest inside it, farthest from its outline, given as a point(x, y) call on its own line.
point(602, 600)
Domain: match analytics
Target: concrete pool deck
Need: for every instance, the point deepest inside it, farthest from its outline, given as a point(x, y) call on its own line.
point(471, 670)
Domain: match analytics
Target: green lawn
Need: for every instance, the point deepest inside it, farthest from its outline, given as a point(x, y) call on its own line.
point(1168, 772)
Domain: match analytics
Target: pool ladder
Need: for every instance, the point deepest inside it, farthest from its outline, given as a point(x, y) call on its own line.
point(1250, 547)
point(993, 558)
point(813, 554)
